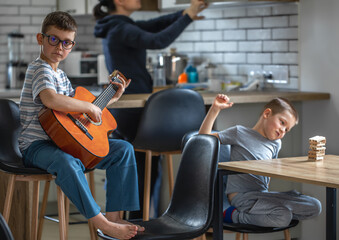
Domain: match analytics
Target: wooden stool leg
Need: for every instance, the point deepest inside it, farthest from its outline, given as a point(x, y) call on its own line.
point(237, 236)
point(287, 234)
point(170, 173)
point(35, 210)
point(245, 236)
point(61, 210)
point(147, 185)
point(43, 209)
point(91, 183)
point(66, 215)
point(9, 197)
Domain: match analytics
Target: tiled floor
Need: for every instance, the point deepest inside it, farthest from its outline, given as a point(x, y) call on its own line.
point(75, 232)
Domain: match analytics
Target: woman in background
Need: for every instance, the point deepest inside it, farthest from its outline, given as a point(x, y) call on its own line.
point(125, 42)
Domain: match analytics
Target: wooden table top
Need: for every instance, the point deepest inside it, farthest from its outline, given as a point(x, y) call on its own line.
point(297, 169)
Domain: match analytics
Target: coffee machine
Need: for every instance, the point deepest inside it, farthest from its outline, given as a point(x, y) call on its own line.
point(16, 67)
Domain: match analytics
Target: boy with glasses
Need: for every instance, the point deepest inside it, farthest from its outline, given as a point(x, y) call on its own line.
point(48, 86)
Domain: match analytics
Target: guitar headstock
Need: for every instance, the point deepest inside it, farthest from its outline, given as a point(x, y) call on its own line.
point(117, 76)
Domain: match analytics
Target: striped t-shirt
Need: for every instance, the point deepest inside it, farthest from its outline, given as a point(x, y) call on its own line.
point(39, 76)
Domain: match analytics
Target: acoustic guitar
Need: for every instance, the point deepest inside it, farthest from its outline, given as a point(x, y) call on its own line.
point(76, 133)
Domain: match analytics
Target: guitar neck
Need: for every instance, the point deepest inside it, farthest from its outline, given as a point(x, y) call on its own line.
point(102, 100)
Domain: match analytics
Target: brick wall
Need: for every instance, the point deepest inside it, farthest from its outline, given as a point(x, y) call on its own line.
point(236, 39)
point(24, 16)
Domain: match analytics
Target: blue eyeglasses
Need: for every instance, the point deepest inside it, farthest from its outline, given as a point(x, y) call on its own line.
point(54, 41)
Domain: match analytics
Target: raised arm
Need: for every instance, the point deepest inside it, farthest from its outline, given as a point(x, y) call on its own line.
point(221, 102)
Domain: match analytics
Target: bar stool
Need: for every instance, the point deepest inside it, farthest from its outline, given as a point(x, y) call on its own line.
point(11, 164)
point(166, 117)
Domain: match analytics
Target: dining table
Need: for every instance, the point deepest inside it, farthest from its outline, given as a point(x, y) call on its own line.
point(298, 169)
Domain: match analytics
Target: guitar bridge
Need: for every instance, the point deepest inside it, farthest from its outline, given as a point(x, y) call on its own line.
point(80, 126)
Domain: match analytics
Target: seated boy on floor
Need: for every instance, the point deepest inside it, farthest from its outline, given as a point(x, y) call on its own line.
point(48, 86)
point(251, 202)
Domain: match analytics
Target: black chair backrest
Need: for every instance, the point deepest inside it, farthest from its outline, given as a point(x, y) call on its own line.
point(167, 116)
point(193, 194)
point(5, 232)
point(9, 132)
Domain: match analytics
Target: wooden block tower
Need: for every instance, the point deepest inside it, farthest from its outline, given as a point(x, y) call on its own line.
point(317, 148)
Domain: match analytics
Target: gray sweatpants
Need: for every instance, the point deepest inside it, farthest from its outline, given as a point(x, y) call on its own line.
point(273, 209)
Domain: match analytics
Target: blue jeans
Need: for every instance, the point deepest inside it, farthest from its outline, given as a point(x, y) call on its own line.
point(121, 174)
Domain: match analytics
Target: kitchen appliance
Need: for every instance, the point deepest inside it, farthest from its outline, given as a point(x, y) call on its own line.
point(81, 67)
point(16, 67)
point(174, 64)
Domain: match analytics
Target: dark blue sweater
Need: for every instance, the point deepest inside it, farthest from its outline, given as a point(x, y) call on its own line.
point(125, 42)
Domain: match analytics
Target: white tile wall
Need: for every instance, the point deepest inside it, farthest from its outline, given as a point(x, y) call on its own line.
point(236, 39)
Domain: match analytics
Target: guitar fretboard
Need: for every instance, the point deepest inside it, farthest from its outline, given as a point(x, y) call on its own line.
point(102, 100)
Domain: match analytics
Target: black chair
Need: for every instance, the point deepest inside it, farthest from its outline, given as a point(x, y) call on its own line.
point(11, 163)
point(167, 116)
point(245, 229)
point(190, 211)
point(241, 229)
point(5, 232)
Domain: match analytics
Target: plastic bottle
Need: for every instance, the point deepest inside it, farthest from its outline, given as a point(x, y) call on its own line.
point(192, 74)
point(182, 78)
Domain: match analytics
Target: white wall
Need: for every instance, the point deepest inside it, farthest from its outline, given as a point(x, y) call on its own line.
point(319, 65)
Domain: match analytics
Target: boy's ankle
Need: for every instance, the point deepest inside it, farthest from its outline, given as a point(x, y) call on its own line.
point(228, 214)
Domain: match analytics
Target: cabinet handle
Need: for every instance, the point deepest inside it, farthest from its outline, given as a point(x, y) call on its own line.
point(71, 10)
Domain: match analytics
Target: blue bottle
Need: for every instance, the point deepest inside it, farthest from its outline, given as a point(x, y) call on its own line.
point(192, 74)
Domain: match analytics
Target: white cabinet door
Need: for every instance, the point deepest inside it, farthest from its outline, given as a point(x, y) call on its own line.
point(168, 4)
point(90, 5)
point(74, 7)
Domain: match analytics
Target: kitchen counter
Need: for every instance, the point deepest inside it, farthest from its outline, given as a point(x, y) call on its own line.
point(139, 100)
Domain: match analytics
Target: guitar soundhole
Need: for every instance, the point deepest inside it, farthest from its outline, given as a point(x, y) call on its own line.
point(91, 120)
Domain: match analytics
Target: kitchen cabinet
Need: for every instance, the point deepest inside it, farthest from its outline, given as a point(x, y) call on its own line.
point(81, 7)
point(169, 4)
point(149, 5)
point(238, 2)
point(181, 4)
point(75, 7)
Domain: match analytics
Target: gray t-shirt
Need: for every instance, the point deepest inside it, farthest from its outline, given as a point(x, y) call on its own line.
point(39, 76)
point(248, 144)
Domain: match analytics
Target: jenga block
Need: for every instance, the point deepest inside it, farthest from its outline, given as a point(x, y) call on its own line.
point(317, 140)
point(311, 158)
point(317, 148)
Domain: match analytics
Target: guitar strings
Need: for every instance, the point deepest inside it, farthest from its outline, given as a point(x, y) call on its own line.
point(102, 100)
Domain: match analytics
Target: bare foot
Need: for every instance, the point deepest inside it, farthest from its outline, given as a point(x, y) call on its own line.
point(114, 229)
point(140, 228)
point(120, 231)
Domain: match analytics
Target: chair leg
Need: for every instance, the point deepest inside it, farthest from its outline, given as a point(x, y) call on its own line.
point(66, 215)
point(245, 236)
point(35, 210)
point(170, 173)
point(9, 197)
point(91, 183)
point(42, 209)
point(61, 210)
point(237, 236)
point(287, 234)
point(147, 185)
